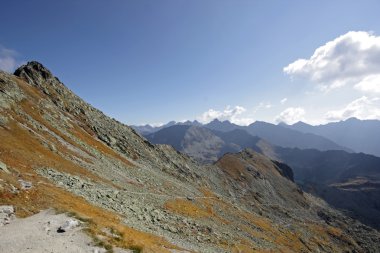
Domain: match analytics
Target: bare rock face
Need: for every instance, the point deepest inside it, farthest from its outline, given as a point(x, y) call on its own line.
point(35, 73)
point(284, 170)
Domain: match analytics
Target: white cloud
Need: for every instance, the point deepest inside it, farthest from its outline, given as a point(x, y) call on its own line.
point(350, 59)
point(233, 114)
point(156, 124)
point(262, 105)
point(283, 101)
point(8, 60)
point(291, 115)
point(268, 106)
point(370, 84)
point(361, 108)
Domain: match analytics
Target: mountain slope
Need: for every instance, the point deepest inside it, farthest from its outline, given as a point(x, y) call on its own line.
point(359, 135)
point(319, 172)
point(59, 152)
point(260, 183)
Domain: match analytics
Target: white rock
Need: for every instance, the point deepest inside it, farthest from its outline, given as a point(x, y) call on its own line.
point(69, 224)
point(3, 167)
point(25, 185)
point(6, 214)
point(7, 209)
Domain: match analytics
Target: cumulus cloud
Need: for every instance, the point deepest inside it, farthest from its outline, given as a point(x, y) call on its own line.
point(233, 114)
point(361, 108)
point(283, 101)
point(351, 59)
point(291, 115)
point(8, 60)
point(369, 84)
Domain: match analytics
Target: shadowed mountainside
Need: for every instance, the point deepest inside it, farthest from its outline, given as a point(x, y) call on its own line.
point(358, 135)
point(345, 180)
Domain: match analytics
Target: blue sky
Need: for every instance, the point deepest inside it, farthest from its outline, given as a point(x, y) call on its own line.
point(156, 61)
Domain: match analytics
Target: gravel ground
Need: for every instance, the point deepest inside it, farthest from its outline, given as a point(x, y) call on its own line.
point(38, 233)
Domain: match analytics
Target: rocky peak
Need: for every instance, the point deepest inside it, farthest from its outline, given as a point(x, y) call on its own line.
point(34, 73)
point(216, 121)
point(38, 75)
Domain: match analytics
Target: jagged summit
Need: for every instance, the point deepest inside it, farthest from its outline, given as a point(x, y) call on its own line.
point(34, 73)
point(300, 123)
point(216, 120)
point(38, 75)
point(223, 126)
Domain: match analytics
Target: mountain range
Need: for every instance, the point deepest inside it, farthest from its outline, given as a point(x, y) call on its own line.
point(318, 172)
point(58, 152)
point(275, 134)
point(357, 135)
point(352, 135)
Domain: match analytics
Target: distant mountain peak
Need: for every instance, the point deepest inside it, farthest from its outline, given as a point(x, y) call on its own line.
point(258, 122)
point(282, 124)
point(215, 121)
point(197, 123)
point(223, 126)
point(218, 121)
point(300, 123)
point(170, 123)
point(352, 119)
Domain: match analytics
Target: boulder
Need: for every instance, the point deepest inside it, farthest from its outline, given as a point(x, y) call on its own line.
point(6, 214)
point(3, 121)
point(3, 167)
point(68, 225)
point(25, 185)
point(7, 209)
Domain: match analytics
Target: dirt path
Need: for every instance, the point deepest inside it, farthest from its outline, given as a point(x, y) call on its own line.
point(38, 234)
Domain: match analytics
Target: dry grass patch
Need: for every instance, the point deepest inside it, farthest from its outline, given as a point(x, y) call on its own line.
point(188, 208)
point(20, 150)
